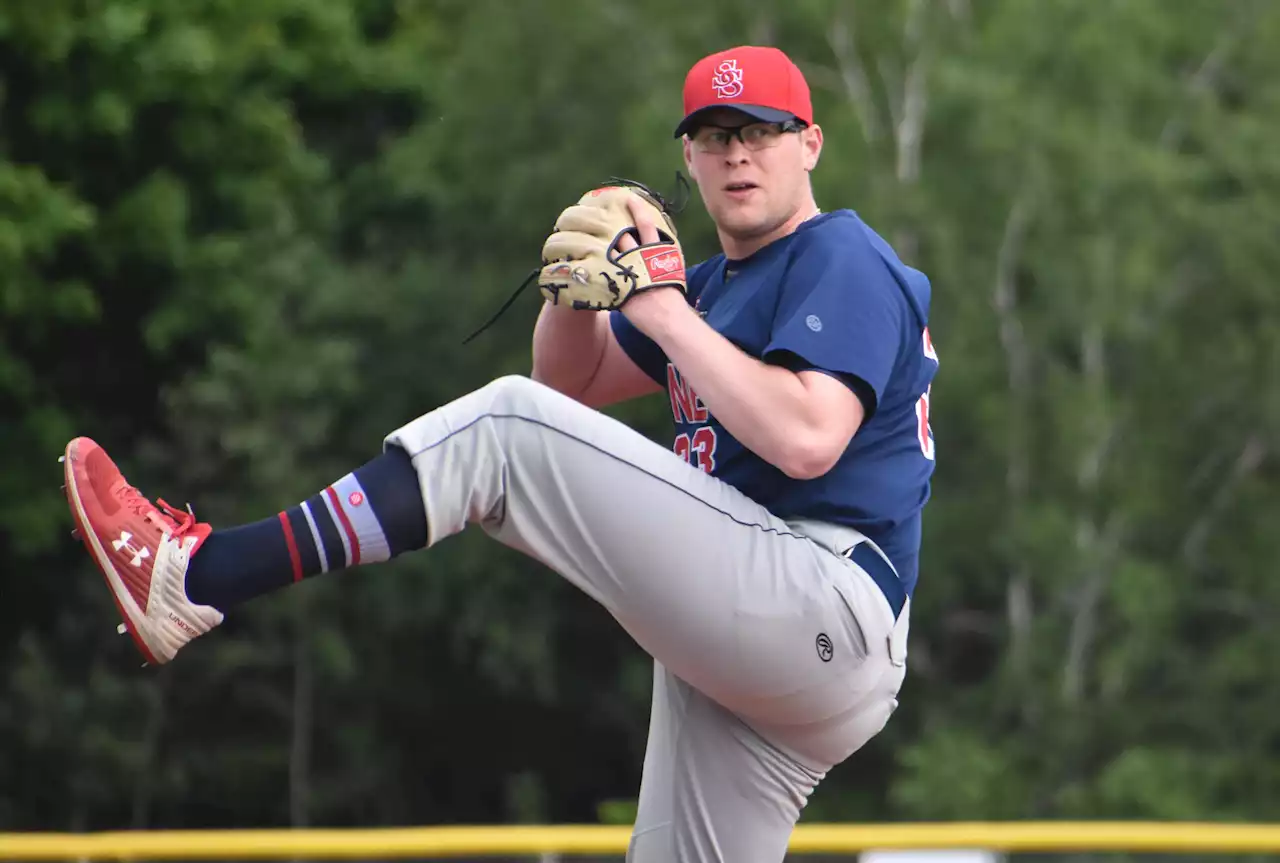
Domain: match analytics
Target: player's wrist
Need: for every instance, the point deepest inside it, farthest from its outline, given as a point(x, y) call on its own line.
point(655, 312)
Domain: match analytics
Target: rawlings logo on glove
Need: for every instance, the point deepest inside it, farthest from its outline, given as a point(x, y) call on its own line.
point(588, 263)
point(664, 263)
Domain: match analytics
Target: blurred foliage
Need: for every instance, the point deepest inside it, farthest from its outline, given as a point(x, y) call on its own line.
point(241, 242)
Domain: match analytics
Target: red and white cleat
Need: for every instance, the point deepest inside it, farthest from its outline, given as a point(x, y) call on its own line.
point(142, 549)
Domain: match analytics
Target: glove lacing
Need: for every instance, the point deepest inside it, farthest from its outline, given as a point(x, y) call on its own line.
point(683, 192)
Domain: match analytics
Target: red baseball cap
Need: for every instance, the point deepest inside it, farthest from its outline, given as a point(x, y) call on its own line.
point(759, 81)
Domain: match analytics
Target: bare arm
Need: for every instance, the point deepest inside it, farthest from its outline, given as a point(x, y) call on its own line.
point(799, 422)
point(576, 353)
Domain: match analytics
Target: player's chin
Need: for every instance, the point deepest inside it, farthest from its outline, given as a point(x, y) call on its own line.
point(748, 227)
point(742, 221)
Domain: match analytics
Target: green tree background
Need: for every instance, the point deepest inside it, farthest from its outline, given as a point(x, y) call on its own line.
point(239, 242)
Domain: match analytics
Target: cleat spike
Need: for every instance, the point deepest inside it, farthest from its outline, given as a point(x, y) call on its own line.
point(75, 534)
point(62, 459)
point(122, 629)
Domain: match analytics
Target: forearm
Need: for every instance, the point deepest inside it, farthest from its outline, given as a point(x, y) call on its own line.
point(769, 409)
point(568, 346)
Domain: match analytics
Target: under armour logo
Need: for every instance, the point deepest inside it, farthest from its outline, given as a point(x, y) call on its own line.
point(139, 555)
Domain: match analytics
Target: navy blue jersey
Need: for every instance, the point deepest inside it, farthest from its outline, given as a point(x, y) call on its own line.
point(832, 297)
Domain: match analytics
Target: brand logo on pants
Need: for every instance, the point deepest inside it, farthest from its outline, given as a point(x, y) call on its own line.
point(825, 648)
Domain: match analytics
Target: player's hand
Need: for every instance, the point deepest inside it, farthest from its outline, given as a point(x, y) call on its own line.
point(643, 309)
point(645, 226)
point(586, 266)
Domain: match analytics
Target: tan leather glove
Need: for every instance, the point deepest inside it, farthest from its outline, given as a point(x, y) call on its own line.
point(582, 266)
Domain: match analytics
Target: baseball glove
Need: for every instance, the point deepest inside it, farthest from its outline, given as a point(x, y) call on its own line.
point(582, 266)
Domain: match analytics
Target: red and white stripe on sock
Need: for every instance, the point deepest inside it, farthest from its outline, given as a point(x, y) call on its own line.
point(335, 529)
point(362, 538)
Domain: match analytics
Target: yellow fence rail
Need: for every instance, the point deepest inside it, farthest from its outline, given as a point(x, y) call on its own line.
point(427, 842)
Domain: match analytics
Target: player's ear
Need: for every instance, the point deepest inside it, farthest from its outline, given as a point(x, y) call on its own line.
point(689, 163)
point(811, 142)
point(687, 148)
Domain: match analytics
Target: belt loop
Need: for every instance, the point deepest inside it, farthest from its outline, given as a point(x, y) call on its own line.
point(866, 556)
point(898, 637)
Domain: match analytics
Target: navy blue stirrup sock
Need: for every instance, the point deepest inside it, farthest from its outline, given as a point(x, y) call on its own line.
point(369, 516)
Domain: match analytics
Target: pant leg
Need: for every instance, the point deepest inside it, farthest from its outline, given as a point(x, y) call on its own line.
point(717, 789)
point(777, 655)
point(714, 790)
point(722, 592)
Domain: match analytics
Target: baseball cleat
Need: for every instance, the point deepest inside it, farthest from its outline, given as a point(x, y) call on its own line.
point(142, 549)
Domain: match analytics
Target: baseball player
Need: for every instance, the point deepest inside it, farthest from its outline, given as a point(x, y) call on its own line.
point(766, 560)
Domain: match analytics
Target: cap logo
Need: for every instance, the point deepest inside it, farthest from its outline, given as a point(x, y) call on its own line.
point(728, 80)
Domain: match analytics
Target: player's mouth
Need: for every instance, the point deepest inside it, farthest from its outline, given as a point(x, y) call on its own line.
point(740, 190)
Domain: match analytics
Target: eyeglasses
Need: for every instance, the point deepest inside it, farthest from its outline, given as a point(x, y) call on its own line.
point(754, 136)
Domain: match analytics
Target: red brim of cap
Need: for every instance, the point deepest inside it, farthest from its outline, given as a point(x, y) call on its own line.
point(758, 112)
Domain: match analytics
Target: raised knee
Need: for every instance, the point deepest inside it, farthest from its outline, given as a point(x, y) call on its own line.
point(510, 387)
point(516, 394)
point(509, 383)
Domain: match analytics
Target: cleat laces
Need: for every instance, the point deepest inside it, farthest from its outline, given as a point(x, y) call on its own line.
point(177, 521)
point(182, 520)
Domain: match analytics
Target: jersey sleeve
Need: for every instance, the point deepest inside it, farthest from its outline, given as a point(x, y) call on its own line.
point(642, 350)
point(840, 313)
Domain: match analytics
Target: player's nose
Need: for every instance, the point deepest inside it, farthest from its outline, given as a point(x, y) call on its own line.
point(736, 152)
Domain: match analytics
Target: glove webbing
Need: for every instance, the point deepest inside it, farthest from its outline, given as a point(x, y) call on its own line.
point(683, 193)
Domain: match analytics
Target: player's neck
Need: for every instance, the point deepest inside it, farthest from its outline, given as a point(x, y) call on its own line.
point(737, 248)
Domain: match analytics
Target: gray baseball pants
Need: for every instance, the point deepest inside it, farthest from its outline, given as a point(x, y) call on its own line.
point(775, 656)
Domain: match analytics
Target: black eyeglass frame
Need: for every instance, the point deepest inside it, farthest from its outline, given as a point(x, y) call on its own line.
point(784, 127)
